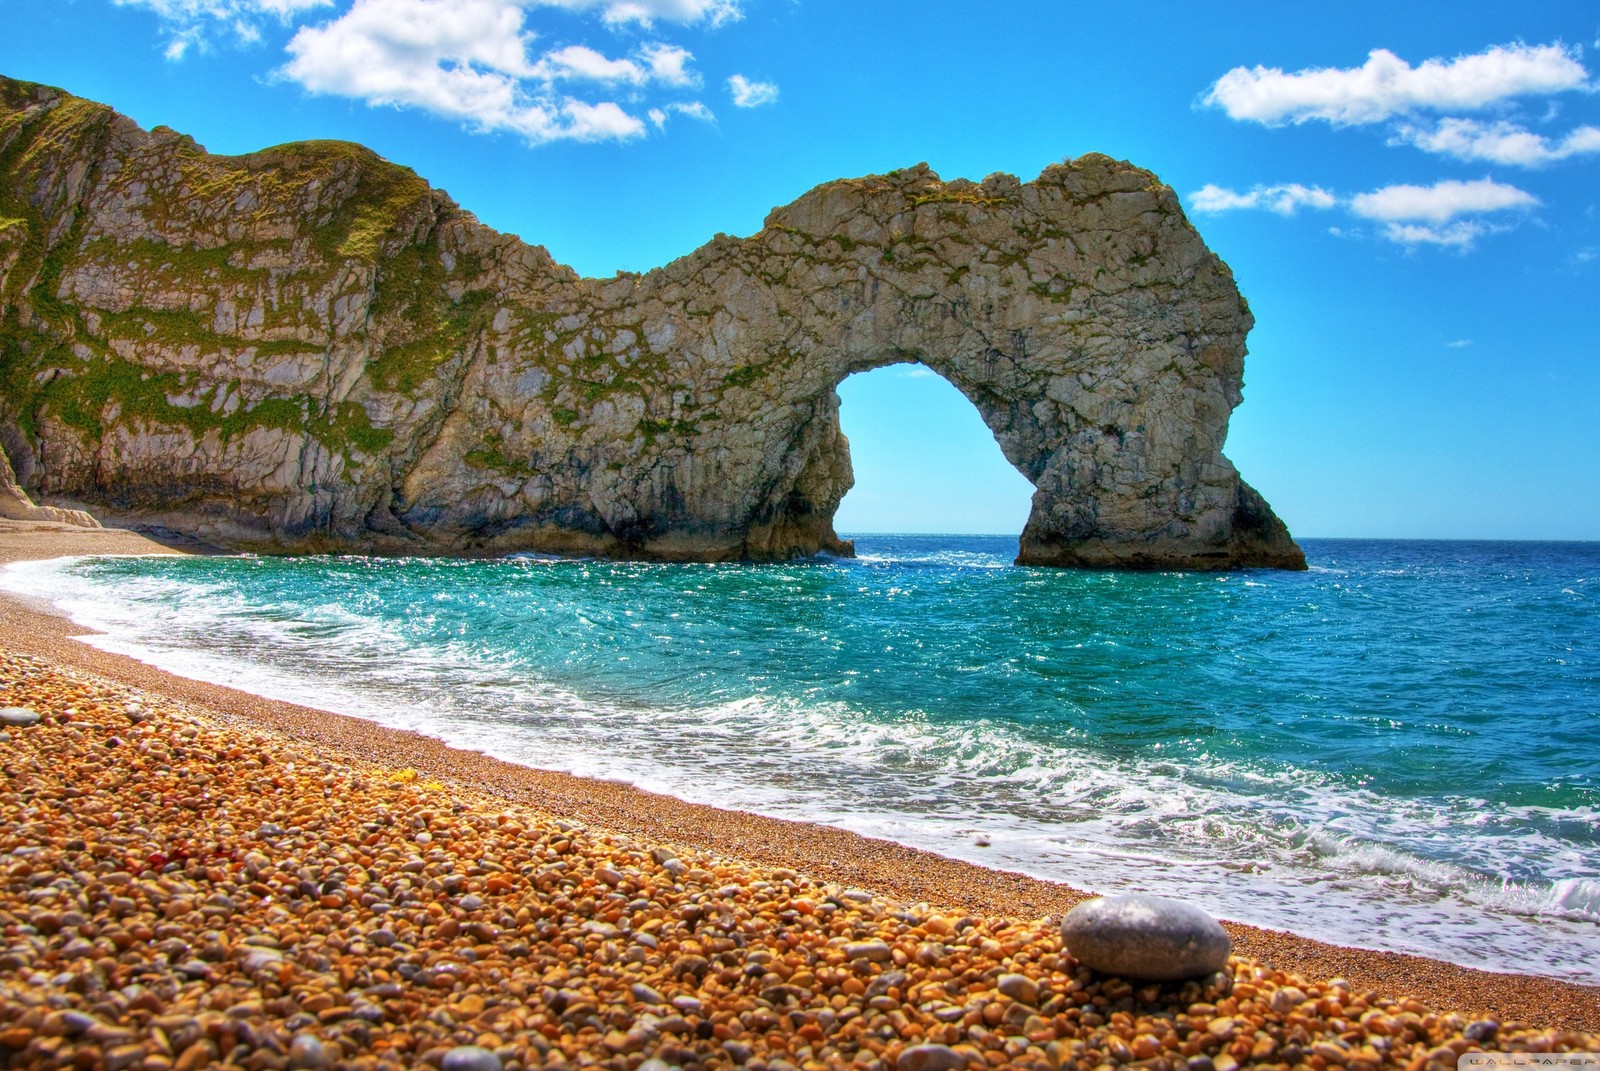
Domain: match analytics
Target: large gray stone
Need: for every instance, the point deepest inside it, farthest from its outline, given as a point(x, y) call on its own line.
point(18, 717)
point(1145, 937)
point(470, 1058)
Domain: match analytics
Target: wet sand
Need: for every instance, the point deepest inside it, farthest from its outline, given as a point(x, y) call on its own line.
point(903, 875)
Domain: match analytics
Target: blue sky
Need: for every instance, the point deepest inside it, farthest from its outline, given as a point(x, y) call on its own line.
point(1409, 195)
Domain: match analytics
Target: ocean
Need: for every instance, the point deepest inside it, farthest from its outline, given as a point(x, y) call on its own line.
point(1399, 749)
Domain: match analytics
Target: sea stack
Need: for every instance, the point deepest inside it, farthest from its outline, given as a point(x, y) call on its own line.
point(308, 348)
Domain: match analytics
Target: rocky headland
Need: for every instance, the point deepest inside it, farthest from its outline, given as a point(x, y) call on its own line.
point(308, 348)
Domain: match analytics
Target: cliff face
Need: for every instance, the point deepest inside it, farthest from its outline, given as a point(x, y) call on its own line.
point(307, 348)
point(15, 505)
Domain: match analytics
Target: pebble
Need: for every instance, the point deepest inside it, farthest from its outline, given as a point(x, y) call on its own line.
point(469, 1058)
point(875, 951)
point(646, 995)
point(307, 1053)
point(930, 1058)
point(201, 1053)
point(18, 717)
point(1145, 937)
point(209, 895)
point(258, 959)
point(1018, 987)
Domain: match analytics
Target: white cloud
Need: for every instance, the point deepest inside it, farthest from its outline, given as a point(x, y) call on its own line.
point(284, 9)
point(462, 59)
point(598, 122)
point(1459, 343)
point(1459, 235)
point(468, 60)
point(1499, 142)
point(1429, 215)
point(646, 12)
point(1285, 200)
point(669, 64)
point(581, 63)
point(187, 22)
point(181, 11)
point(694, 109)
point(664, 64)
point(1386, 85)
point(474, 61)
point(1441, 202)
point(748, 94)
point(1447, 213)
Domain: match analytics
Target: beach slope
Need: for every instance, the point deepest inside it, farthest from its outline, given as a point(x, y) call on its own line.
point(191, 876)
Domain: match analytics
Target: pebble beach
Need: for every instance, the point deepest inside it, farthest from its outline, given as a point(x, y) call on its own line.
point(193, 877)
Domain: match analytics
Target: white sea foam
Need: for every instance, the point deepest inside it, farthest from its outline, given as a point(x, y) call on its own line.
point(1289, 849)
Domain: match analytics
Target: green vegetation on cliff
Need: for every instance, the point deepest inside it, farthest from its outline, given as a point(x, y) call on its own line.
point(175, 250)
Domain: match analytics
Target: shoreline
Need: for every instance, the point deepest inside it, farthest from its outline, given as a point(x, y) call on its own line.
point(885, 868)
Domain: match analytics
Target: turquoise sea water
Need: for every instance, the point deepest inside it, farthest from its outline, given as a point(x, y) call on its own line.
point(1398, 749)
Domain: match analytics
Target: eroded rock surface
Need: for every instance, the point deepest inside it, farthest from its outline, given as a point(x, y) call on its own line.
point(15, 505)
point(308, 348)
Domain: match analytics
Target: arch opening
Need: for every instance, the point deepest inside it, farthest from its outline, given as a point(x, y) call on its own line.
point(924, 461)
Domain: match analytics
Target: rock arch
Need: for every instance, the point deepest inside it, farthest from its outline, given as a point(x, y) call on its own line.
point(308, 348)
point(1081, 314)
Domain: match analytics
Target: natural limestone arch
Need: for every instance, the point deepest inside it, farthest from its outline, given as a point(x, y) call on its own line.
point(1082, 316)
point(308, 348)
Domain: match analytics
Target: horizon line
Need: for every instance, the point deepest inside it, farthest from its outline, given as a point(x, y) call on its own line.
point(1323, 538)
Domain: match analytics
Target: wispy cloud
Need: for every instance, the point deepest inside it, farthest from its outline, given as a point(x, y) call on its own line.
point(648, 12)
point(1285, 200)
point(1441, 202)
point(190, 24)
point(1447, 213)
point(1462, 234)
point(1391, 91)
point(693, 109)
point(475, 61)
point(1387, 89)
point(1499, 142)
point(1459, 343)
point(1387, 86)
point(669, 64)
point(666, 64)
point(462, 59)
point(748, 94)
